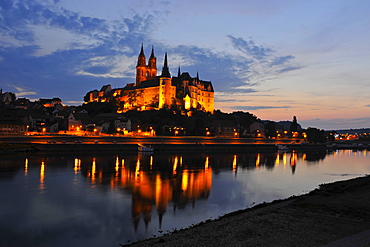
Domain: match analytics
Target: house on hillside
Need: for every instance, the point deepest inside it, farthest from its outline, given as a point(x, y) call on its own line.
point(79, 121)
point(11, 123)
point(225, 128)
point(257, 129)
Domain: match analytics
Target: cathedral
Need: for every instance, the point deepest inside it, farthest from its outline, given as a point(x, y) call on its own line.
point(151, 91)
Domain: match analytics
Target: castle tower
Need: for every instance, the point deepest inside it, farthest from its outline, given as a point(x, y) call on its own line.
point(165, 70)
point(145, 72)
point(141, 67)
point(152, 65)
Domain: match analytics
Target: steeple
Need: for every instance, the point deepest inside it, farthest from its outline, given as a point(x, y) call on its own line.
point(152, 64)
point(165, 70)
point(141, 67)
point(141, 59)
point(152, 55)
point(178, 72)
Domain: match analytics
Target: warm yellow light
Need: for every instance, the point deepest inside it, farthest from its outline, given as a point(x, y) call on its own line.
point(26, 166)
point(174, 167)
point(284, 160)
point(117, 164)
point(42, 172)
point(293, 159)
point(137, 168)
point(234, 164)
point(184, 182)
point(93, 171)
point(277, 160)
point(258, 160)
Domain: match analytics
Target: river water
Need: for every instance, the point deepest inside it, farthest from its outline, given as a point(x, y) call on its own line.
point(107, 199)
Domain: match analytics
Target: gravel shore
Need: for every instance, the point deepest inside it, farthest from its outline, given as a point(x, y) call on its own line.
point(331, 213)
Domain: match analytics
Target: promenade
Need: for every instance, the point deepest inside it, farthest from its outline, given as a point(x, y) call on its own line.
point(337, 214)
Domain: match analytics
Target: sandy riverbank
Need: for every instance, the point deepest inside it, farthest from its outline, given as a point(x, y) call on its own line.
point(333, 212)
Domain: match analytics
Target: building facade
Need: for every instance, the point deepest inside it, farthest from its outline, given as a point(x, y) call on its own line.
point(155, 92)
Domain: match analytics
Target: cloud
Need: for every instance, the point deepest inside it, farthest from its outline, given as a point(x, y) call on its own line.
point(54, 49)
point(230, 100)
point(75, 102)
point(248, 108)
point(337, 123)
point(249, 47)
point(22, 92)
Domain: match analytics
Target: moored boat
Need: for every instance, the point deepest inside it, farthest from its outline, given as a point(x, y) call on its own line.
point(143, 148)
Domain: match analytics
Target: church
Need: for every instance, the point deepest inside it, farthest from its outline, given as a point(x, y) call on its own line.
point(151, 91)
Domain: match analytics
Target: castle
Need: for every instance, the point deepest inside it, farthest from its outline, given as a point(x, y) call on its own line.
point(155, 92)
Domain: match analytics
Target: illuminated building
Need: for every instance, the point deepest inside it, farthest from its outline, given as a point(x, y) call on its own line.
point(155, 92)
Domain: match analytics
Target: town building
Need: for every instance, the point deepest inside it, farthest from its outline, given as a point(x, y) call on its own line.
point(11, 123)
point(155, 92)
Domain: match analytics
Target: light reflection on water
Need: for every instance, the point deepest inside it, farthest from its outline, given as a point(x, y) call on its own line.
point(101, 199)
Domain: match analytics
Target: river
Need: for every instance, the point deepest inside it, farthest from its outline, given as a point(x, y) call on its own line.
point(111, 198)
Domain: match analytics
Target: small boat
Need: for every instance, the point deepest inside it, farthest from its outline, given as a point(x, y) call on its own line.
point(282, 147)
point(143, 148)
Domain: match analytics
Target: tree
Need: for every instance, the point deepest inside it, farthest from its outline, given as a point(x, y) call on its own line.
point(315, 135)
point(271, 129)
point(294, 125)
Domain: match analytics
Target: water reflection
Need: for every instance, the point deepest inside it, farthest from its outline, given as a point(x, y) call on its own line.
point(150, 185)
point(42, 176)
point(155, 182)
point(138, 192)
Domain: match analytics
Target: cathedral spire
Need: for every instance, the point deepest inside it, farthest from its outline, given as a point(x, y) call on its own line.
point(152, 64)
point(141, 59)
point(165, 70)
point(142, 50)
point(178, 72)
point(152, 55)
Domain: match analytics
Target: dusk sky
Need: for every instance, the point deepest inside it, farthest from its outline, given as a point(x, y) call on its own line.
point(273, 58)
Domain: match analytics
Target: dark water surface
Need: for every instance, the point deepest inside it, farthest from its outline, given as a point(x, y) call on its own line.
point(107, 199)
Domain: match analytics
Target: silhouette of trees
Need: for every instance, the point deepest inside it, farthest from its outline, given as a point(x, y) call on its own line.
point(270, 129)
point(294, 125)
point(315, 135)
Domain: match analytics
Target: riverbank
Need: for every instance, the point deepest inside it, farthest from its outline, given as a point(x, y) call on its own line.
point(333, 212)
point(9, 148)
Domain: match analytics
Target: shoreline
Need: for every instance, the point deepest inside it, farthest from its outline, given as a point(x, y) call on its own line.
point(330, 213)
